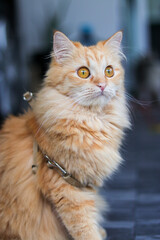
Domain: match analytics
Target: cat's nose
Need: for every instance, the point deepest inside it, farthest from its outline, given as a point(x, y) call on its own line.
point(101, 86)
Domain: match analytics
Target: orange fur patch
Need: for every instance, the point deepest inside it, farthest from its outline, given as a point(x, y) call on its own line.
point(82, 130)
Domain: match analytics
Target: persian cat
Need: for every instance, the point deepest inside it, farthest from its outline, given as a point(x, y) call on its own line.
point(54, 157)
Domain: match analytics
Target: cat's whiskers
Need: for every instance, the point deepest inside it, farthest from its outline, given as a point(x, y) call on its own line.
point(132, 99)
point(139, 102)
point(81, 99)
point(92, 95)
point(83, 94)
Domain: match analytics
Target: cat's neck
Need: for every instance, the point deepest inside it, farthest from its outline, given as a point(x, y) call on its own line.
point(68, 132)
point(51, 106)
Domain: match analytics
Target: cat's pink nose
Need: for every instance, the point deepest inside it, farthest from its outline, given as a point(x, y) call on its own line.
point(101, 86)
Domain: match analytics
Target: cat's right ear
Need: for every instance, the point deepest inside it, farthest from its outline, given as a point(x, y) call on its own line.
point(62, 47)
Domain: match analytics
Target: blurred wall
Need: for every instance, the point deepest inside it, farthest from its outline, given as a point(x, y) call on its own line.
point(36, 15)
point(103, 15)
point(135, 14)
point(36, 20)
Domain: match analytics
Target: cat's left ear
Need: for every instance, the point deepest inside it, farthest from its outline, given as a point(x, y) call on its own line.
point(115, 41)
point(62, 47)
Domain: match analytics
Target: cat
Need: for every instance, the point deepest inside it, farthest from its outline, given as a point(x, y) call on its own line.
point(55, 156)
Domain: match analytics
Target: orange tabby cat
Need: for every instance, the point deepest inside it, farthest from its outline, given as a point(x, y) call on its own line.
point(77, 120)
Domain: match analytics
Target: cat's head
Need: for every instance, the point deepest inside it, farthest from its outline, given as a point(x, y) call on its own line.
point(90, 76)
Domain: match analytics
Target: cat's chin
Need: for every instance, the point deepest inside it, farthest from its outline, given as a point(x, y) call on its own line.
point(99, 101)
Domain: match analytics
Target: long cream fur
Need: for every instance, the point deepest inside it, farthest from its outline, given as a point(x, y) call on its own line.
point(78, 126)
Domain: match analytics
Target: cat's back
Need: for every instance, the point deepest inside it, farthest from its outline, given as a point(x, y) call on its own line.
point(15, 139)
point(15, 151)
point(15, 174)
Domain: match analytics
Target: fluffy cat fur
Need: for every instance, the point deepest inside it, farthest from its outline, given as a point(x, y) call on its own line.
point(79, 127)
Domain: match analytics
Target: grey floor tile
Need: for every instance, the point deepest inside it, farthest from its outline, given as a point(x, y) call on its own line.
point(133, 193)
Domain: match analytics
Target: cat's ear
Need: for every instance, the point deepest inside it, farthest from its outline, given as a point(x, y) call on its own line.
point(114, 41)
point(62, 47)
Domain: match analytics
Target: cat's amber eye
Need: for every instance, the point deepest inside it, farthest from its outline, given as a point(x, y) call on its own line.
point(109, 72)
point(83, 72)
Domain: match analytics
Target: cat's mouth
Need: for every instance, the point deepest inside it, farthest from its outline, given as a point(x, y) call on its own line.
point(100, 94)
point(102, 98)
point(106, 94)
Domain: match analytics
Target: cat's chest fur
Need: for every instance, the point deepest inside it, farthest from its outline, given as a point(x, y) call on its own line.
point(87, 148)
point(84, 141)
point(86, 134)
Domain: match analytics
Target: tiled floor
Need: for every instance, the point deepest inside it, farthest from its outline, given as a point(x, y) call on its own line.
point(133, 193)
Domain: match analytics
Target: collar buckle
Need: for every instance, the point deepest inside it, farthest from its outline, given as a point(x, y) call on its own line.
point(66, 176)
point(53, 164)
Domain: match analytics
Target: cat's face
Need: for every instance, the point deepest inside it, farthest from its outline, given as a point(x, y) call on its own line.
point(90, 76)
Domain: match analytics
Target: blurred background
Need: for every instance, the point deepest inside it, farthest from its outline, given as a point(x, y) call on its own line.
point(26, 30)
